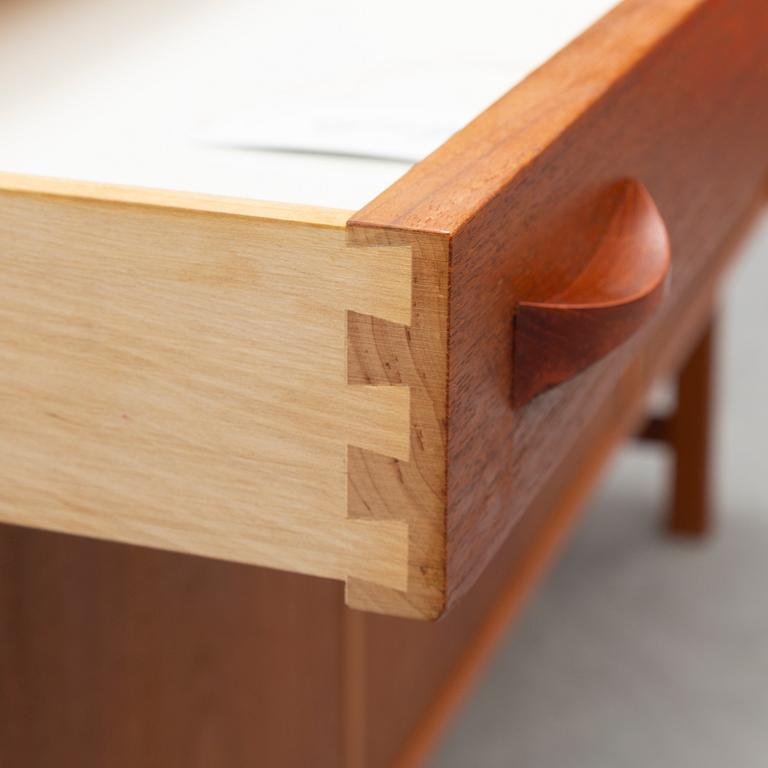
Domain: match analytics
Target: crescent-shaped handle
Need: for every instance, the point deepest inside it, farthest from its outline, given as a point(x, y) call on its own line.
point(604, 305)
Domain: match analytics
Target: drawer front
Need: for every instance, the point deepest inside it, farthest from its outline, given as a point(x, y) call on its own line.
point(670, 96)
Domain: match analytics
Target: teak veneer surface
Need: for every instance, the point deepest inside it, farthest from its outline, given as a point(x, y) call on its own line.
point(125, 656)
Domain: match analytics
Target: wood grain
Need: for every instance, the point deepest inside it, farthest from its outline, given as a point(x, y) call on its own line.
point(175, 373)
point(389, 488)
point(667, 93)
point(123, 656)
point(257, 382)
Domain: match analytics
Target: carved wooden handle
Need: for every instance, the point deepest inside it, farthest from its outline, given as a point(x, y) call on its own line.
point(619, 288)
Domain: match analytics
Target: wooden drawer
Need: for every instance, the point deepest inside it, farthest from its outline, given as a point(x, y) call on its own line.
point(334, 393)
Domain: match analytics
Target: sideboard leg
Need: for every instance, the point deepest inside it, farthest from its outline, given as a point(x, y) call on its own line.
point(690, 437)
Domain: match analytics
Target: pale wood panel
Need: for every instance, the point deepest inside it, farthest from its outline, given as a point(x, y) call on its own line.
point(178, 378)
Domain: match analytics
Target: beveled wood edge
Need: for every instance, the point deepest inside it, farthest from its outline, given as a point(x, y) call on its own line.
point(443, 192)
point(186, 201)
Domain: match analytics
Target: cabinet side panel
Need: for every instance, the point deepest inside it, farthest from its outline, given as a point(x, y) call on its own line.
point(123, 656)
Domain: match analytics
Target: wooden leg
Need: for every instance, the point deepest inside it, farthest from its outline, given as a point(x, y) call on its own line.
point(688, 432)
point(691, 440)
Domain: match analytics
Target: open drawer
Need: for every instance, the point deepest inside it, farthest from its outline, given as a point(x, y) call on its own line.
point(375, 397)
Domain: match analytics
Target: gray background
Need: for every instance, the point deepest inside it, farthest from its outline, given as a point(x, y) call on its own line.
point(640, 650)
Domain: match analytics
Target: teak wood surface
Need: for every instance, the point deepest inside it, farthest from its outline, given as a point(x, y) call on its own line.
point(335, 393)
point(668, 93)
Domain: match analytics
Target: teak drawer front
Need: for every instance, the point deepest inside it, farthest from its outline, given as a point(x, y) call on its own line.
point(334, 393)
point(669, 95)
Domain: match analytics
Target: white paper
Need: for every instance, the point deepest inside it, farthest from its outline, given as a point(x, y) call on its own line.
point(323, 104)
